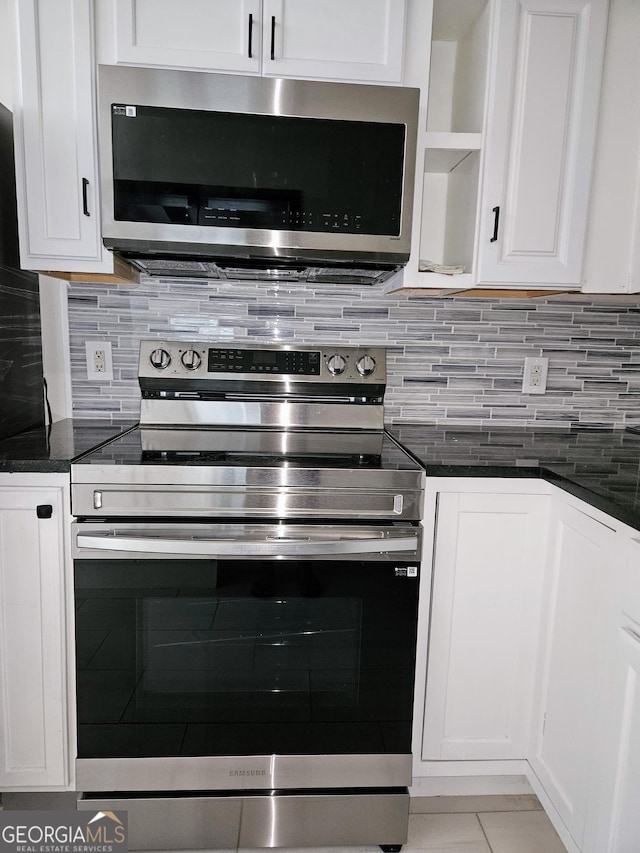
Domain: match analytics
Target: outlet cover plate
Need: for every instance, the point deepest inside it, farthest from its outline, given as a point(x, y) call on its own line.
point(99, 361)
point(534, 379)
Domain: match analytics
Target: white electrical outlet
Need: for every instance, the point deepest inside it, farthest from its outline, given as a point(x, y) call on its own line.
point(99, 363)
point(534, 380)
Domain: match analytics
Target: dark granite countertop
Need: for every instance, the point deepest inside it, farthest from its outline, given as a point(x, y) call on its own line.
point(50, 450)
point(602, 467)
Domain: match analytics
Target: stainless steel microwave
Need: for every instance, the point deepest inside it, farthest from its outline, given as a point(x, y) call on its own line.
point(248, 177)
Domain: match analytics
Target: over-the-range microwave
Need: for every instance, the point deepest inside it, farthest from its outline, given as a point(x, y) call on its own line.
point(240, 177)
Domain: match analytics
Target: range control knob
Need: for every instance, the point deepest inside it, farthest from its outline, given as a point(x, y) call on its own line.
point(366, 365)
point(191, 359)
point(336, 365)
point(160, 359)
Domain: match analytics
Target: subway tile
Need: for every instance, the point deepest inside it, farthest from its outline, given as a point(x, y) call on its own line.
point(453, 360)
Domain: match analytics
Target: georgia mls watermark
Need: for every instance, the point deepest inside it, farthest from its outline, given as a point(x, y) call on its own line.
point(63, 832)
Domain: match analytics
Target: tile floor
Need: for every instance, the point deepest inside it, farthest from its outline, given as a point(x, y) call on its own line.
point(509, 824)
point(483, 828)
point(500, 824)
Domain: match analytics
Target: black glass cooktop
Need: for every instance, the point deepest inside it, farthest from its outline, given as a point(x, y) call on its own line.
point(253, 448)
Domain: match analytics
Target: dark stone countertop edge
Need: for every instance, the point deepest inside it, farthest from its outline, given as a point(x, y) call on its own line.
point(619, 507)
point(72, 439)
point(606, 505)
point(52, 450)
point(35, 466)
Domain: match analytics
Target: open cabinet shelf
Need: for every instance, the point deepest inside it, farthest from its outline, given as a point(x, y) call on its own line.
point(450, 143)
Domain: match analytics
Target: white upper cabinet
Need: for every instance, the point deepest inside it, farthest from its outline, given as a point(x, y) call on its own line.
point(358, 40)
point(54, 107)
point(361, 40)
point(56, 152)
point(214, 35)
point(539, 140)
point(508, 143)
point(507, 120)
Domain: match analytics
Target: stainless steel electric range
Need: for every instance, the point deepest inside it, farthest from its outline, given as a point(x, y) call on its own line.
point(246, 566)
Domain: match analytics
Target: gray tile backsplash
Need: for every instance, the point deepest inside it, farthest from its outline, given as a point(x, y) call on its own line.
point(450, 360)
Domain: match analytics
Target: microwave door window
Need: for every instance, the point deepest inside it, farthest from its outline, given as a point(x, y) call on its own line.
point(253, 171)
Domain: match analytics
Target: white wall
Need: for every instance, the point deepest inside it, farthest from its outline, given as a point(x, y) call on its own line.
point(6, 53)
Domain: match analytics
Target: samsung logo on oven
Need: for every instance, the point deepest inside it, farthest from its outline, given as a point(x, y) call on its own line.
point(247, 773)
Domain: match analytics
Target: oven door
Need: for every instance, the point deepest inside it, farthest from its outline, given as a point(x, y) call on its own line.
point(244, 655)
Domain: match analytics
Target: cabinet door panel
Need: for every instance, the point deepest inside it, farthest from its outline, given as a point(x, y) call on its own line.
point(325, 39)
point(484, 617)
point(33, 741)
point(56, 163)
point(540, 139)
point(624, 830)
point(207, 34)
point(331, 39)
point(579, 587)
point(613, 824)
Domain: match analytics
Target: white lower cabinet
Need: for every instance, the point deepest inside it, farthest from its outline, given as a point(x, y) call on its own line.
point(566, 737)
point(485, 610)
point(529, 655)
point(613, 824)
point(34, 706)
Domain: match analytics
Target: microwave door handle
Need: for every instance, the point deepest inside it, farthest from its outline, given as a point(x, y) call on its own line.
point(238, 548)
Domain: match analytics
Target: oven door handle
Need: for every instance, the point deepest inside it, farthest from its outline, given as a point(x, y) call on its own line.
point(240, 548)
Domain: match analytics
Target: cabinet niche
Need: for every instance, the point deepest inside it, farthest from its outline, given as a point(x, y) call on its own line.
point(453, 138)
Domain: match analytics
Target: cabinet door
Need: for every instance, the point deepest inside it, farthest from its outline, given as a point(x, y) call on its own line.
point(540, 136)
point(33, 728)
point(613, 824)
point(331, 39)
point(56, 155)
point(216, 35)
point(323, 39)
point(623, 834)
point(483, 637)
point(579, 588)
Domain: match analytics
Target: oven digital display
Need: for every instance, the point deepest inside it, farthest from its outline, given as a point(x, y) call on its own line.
point(278, 362)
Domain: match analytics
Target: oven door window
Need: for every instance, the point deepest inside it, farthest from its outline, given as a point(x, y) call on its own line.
point(226, 657)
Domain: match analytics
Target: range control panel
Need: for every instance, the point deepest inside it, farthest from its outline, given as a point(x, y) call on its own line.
point(281, 362)
point(183, 360)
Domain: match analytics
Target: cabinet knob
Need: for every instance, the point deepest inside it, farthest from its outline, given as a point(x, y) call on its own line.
point(44, 511)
